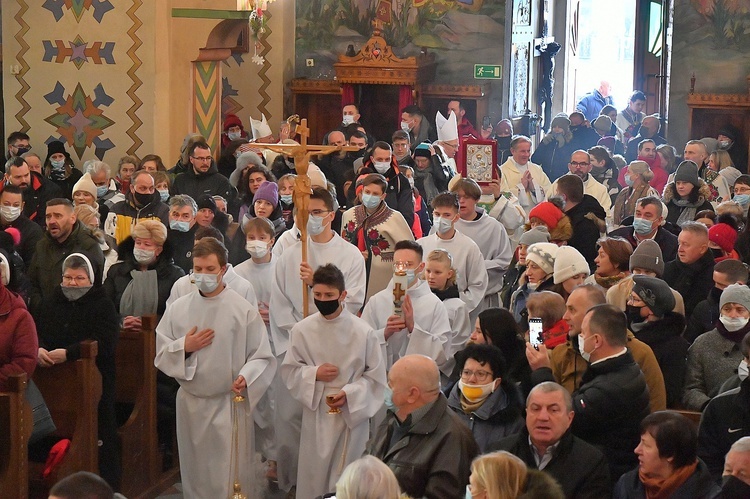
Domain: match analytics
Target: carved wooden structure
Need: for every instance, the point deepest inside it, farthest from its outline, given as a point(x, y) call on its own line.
point(71, 391)
point(16, 423)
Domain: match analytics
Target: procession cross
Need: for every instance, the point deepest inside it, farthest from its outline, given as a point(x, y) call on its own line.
point(302, 186)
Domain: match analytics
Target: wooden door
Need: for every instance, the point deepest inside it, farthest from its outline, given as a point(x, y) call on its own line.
point(652, 49)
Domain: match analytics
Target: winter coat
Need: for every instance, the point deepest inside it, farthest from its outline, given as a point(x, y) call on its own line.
point(182, 247)
point(670, 349)
point(31, 233)
point(398, 193)
point(119, 276)
point(699, 485)
point(592, 103)
point(124, 215)
point(588, 221)
point(626, 200)
point(692, 281)
point(18, 338)
point(553, 158)
point(631, 150)
point(211, 183)
point(675, 211)
point(579, 467)
point(433, 457)
point(712, 359)
point(665, 239)
point(66, 185)
point(609, 407)
point(619, 294)
point(498, 417)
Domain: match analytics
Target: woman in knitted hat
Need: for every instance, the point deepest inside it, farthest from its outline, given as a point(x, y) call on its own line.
point(571, 269)
point(553, 153)
point(722, 238)
point(714, 356)
point(84, 192)
point(540, 267)
point(612, 261)
point(252, 178)
point(266, 204)
point(59, 168)
point(517, 268)
point(550, 215)
point(638, 177)
point(686, 195)
point(652, 320)
point(233, 130)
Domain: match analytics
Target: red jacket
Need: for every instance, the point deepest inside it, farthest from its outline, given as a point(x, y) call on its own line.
point(18, 340)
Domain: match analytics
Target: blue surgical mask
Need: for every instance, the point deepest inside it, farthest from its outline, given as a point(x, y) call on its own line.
point(442, 225)
point(742, 199)
point(179, 225)
point(410, 277)
point(370, 201)
point(287, 198)
point(164, 195)
point(234, 135)
point(629, 181)
point(57, 164)
point(389, 400)
point(101, 190)
point(468, 493)
point(315, 225)
point(642, 226)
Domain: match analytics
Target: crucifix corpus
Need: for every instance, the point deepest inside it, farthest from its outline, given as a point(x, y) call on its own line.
point(302, 185)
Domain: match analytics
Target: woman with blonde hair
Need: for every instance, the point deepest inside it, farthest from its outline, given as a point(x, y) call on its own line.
point(667, 157)
point(637, 178)
point(501, 475)
point(367, 478)
point(720, 161)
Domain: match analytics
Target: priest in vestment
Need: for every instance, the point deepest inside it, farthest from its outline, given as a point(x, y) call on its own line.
point(215, 346)
point(332, 353)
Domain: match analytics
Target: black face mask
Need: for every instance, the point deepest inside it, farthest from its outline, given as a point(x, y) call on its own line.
point(634, 314)
point(327, 307)
point(141, 199)
point(717, 252)
point(715, 294)
point(504, 142)
point(22, 150)
point(356, 154)
point(732, 486)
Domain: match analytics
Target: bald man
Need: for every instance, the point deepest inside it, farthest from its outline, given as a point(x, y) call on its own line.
point(335, 166)
point(426, 446)
point(593, 102)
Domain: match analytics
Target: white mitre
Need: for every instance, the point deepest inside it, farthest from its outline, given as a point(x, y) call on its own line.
point(260, 128)
point(447, 129)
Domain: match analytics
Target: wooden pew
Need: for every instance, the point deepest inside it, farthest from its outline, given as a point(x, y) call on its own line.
point(72, 391)
point(136, 389)
point(693, 416)
point(15, 427)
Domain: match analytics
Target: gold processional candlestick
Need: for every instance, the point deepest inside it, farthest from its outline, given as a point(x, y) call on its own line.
point(235, 460)
point(400, 284)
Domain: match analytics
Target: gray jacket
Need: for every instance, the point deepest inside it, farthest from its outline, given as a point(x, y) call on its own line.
point(712, 359)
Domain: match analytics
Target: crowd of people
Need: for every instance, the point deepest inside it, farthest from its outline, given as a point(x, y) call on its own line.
point(540, 334)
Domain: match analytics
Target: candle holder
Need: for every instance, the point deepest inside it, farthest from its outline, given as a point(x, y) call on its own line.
point(400, 285)
point(234, 463)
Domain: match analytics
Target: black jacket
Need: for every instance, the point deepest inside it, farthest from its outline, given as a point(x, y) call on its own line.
point(698, 486)
point(725, 420)
point(35, 197)
point(588, 221)
point(580, 468)
point(703, 318)
point(692, 281)
point(212, 183)
point(670, 349)
point(609, 407)
point(182, 247)
point(665, 239)
point(433, 457)
point(31, 233)
point(119, 276)
point(553, 158)
point(398, 193)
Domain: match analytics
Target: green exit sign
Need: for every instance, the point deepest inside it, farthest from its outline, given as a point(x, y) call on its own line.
point(488, 71)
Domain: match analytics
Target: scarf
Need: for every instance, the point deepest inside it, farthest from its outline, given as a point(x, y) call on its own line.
point(625, 204)
point(687, 209)
point(735, 336)
point(469, 407)
point(447, 293)
point(556, 335)
point(141, 296)
point(428, 183)
point(657, 488)
point(608, 282)
point(365, 222)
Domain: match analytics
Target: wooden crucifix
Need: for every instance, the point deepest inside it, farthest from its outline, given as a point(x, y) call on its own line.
point(302, 185)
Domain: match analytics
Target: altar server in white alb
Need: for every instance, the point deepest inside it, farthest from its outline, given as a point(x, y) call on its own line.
point(467, 257)
point(488, 234)
point(334, 363)
point(234, 281)
point(324, 246)
point(215, 346)
point(424, 327)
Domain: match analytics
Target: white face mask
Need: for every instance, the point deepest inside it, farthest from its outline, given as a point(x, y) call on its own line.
point(411, 182)
point(234, 135)
point(206, 283)
point(144, 256)
point(382, 166)
point(531, 286)
point(405, 127)
point(10, 213)
point(742, 370)
point(315, 225)
point(257, 249)
point(586, 355)
point(347, 119)
point(442, 225)
point(476, 393)
point(733, 323)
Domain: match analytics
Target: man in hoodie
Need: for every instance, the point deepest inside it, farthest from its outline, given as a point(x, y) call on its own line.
point(586, 216)
point(141, 203)
point(203, 177)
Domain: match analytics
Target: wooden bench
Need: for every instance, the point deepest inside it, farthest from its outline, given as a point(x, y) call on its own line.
point(136, 391)
point(15, 427)
point(71, 391)
point(693, 416)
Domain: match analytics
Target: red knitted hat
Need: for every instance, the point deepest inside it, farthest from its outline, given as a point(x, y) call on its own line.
point(547, 213)
point(232, 120)
point(723, 235)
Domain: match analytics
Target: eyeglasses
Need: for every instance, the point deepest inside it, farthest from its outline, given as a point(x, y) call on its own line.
point(202, 158)
point(576, 164)
point(319, 213)
point(480, 375)
point(79, 279)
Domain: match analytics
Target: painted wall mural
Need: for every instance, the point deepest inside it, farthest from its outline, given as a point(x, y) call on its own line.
point(711, 39)
point(461, 33)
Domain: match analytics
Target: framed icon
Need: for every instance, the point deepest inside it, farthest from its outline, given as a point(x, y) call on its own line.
point(479, 160)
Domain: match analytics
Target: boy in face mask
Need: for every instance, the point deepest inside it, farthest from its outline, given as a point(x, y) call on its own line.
point(334, 363)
